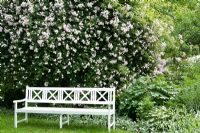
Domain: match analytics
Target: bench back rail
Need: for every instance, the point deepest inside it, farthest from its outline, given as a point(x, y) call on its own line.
point(65, 95)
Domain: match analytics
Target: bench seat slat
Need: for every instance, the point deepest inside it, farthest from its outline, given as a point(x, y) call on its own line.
point(52, 110)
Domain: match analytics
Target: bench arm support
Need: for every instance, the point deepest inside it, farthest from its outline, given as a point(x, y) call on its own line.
point(15, 112)
point(19, 101)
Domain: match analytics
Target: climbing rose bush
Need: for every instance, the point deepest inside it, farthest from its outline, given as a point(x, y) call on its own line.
point(72, 43)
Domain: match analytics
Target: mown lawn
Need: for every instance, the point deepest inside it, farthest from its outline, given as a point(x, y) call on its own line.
point(42, 125)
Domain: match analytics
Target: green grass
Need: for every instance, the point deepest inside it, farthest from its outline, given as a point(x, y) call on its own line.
point(44, 125)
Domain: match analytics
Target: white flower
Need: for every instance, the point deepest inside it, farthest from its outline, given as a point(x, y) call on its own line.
point(58, 71)
point(125, 62)
point(98, 72)
point(74, 13)
point(109, 6)
point(98, 32)
point(8, 17)
point(108, 38)
point(59, 44)
point(115, 21)
point(52, 46)
point(40, 42)
point(99, 61)
point(163, 44)
point(115, 35)
point(24, 4)
point(94, 54)
point(66, 28)
point(138, 33)
point(31, 47)
point(44, 8)
point(1, 29)
point(59, 55)
point(181, 41)
point(90, 4)
point(80, 5)
point(113, 61)
point(18, 9)
point(45, 35)
point(194, 58)
point(24, 20)
point(56, 31)
point(120, 58)
point(67, 46)
point(127, 7)
point(106, 68)
point(180, 36)
point(46, 83)
point(105, 14)
point(178, 59)
point(110, 46)
point(104, 58)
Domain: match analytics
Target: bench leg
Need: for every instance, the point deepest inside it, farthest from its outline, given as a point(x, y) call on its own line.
point(109, 118)
point(113, 121)
point(15, 120)
point(111, 124)
point(26, 117)
point(61, 121)
point(68, 120)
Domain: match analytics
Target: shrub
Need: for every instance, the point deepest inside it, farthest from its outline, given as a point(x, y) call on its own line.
point(189, 95)
point(175, 23)
point(72, 43)
point(143, 94)
point(183, 72)
point(162, 119)
point(188, 20)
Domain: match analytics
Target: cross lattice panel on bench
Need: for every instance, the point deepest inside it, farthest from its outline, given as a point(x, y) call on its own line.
point(71, 95)
point(43, 94)
point(88, 95)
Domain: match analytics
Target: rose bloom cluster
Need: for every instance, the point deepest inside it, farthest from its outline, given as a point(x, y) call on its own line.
point(72, 43)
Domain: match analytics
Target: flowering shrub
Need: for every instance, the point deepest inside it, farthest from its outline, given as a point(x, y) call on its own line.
point(72, 43)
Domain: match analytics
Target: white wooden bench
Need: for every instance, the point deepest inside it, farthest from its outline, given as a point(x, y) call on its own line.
point(63, 95)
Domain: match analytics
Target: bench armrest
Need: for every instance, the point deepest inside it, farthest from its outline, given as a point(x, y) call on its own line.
point(19, 101)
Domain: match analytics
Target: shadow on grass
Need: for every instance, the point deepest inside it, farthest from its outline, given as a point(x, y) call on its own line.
point(38, 125)
point(43, 125)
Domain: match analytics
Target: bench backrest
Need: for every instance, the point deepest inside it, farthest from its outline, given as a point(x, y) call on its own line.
point(70, 95)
